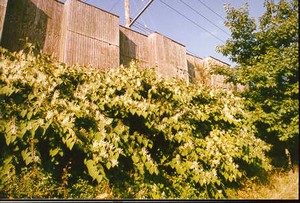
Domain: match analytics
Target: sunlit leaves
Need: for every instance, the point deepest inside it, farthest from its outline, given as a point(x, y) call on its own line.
point(126, 127)
point(269, 68)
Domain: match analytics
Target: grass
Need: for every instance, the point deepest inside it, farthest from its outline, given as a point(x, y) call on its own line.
point(279, 185)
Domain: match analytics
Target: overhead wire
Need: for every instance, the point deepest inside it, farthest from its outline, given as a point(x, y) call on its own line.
point(139, 29)
point(195, 23)
point(141, 17)
point(204, 17)
point(151, 20)
point(142, 28)
point(211, 9)
point(147, 28)
point(135, 6)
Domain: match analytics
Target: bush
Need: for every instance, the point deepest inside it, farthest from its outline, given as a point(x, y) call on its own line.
point(126, 128)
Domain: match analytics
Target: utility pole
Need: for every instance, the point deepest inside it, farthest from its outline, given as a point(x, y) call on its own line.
point(142, 11)
point(128, 22)
point(127, 13)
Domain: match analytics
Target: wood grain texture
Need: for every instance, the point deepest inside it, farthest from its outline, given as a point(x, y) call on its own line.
point(79, 33)
point(133, 46)
point(169, 56)
point(37, 20)
point(90, 36)
point(3, 5)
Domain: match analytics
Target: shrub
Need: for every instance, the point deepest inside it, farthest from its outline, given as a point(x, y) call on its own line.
point(126, 128)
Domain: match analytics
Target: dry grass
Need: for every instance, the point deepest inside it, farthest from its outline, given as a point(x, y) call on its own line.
point(280, 185)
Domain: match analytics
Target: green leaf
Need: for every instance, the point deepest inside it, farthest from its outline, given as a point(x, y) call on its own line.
point(6, 90)
point(93, 170)
point(144, 159)
point(23, 113)
point(145, 114)
point(176, 127)
point(26, 155)
point(136, 96)
point(29, 115)
point(108, 165)
point(135, 159)
point(196, 178)
point(140, 139)
point(53, 152)
point(230, 178)
point(150, 169)
point(148, 166)
point(70, 142)
point(132, 111)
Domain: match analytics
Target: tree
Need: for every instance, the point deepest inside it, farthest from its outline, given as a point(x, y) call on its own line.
point(267, 58)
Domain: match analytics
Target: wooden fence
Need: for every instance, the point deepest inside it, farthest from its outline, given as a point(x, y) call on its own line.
point(89, 36)
point(134, 46)
point(37, 20)
point(3, 4)
point(169, 56)
point(77, 32)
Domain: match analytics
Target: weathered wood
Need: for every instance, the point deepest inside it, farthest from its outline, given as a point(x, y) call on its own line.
point(89, 36)
point(216, 81)
point(91, 21)
point(54, 11)
point(133, 46)
point(37, 20)
point(169, 56)
point(198, 72)
point(84, 50)
point(3, 4)
point(79, 33)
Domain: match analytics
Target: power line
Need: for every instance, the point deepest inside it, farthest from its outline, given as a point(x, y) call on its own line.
point(203, 17)
point(192, 21)
point(211, 9)
point(141, 12)
point(150, 18)
point(149, 29)
point(142, 28)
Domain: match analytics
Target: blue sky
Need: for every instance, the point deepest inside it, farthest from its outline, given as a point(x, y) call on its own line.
point(163, 19)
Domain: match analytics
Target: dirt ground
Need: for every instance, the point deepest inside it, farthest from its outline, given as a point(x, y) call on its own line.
point(281, 185)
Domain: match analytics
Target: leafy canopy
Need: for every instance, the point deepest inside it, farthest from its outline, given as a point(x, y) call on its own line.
point(267, 58)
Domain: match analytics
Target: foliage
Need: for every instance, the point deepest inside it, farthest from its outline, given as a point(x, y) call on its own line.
point(267, 57)
point(29, 185)
point(126, 128)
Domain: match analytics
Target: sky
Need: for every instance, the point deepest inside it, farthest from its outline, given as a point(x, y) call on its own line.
point(201, 33)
